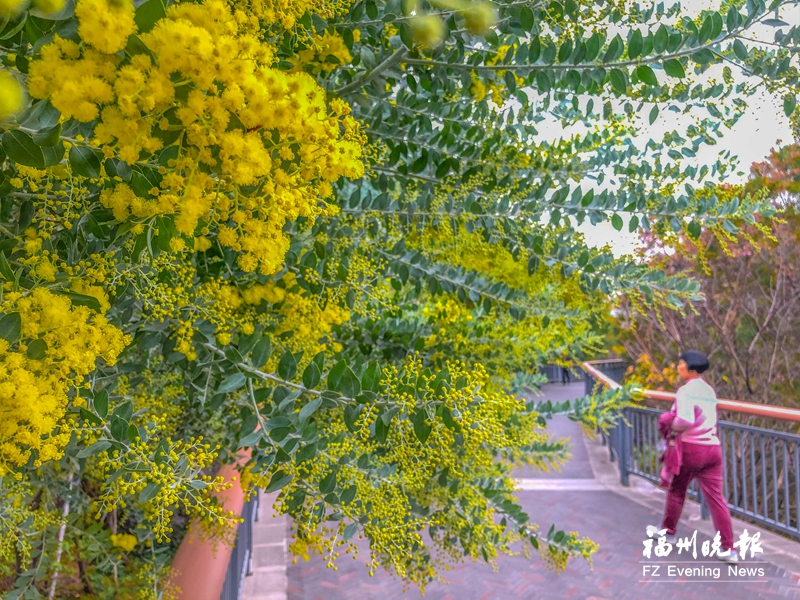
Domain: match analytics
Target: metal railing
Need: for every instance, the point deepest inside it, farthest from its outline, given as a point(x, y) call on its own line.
point(553, 373)
point(761, 466)
point(241, 563)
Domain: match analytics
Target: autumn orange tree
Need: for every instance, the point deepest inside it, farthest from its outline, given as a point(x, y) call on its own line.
point(747, 318)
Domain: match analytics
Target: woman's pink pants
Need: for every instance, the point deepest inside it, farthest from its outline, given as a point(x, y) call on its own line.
point(705, 463)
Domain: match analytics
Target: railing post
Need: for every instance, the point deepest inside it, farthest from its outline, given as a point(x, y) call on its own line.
point(613, 442)
point(624, 447)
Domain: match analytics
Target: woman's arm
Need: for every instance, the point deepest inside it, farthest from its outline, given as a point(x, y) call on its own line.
point(679, 424)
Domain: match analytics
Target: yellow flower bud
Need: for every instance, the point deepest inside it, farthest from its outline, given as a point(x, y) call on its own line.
point(10, 8)
point(11, 95)
point(49, 7)
point(427, 30)
point(479, 17)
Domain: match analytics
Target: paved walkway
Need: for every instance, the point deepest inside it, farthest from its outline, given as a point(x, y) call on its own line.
point(585, 496)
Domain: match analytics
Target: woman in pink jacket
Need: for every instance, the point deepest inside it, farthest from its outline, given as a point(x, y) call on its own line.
point(696, 420)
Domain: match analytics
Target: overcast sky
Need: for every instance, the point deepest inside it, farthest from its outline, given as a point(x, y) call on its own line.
point(756, 133)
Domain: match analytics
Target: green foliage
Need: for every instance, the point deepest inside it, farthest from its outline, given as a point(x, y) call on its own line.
point(365, 337)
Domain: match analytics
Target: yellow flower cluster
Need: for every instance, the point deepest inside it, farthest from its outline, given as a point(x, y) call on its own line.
point(258, 146)
point(21, 523)
point(645, 374)
point(59, 346)
point(496, 89)
point(173, 471)
point(310, 324)
point(105, 24)
point(411, 467)
point(286, 13)
point(124, 541)
point(325, 53)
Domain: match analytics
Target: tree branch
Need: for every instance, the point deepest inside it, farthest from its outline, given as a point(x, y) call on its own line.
point(395, 58)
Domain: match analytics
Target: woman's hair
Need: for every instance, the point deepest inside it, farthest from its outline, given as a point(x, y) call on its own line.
point(695, 361)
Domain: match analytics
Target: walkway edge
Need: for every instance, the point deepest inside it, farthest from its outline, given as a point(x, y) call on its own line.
point(268, 580)
point(778, 550)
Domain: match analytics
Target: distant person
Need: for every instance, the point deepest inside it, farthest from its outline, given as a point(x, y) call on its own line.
point(694, 418)
point(564, 375)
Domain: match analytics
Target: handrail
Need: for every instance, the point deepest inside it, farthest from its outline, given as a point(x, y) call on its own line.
point(199, 567)
point(738, 406)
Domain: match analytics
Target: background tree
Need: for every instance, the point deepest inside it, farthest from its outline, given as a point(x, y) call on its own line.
point(335, 234)
point(747, 320)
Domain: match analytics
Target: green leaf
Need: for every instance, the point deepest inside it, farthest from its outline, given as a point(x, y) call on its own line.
point(614, 50)
point(422, 429)
point(149, 492)
point(694, 229)
point(81, 299)
point(349, 495)
point(635, 45)
point(95, 448)
point(705, 31)
point(118, 168)
point(661, 39)
point(261, 352)
point(91, 417)
point(653, 115)
point(526, 18)
point(311, 376)
point(328, 483)
point(732, 19)
point(279, 480)
point(789, 104)
point(387, 416)
point(287, 366)
point(740, 50)
point(351, 412)
point(53, 154)
point(535, 50)
point(148, 14)
point(49, 136)
point(616, 221)
point(646, 75)
point(5, 268)
point(305, 453)
point(342, 379)
point(674, 68)
point(703, 56)
point(251, 439)
point(124, 411)
point(381, 429)
point(37, 349)
point(231, 383)
point(39, 116)
point(84, 162)
point(371, 379)
point(619, 80)
point(309, 409)
point(419, 165)
point(350, 530)
point(21, 148)
point(100, 403)
point(11, 327)
point(448, 420)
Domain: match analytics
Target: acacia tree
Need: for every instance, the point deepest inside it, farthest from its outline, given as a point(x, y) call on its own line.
point(333, 234)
